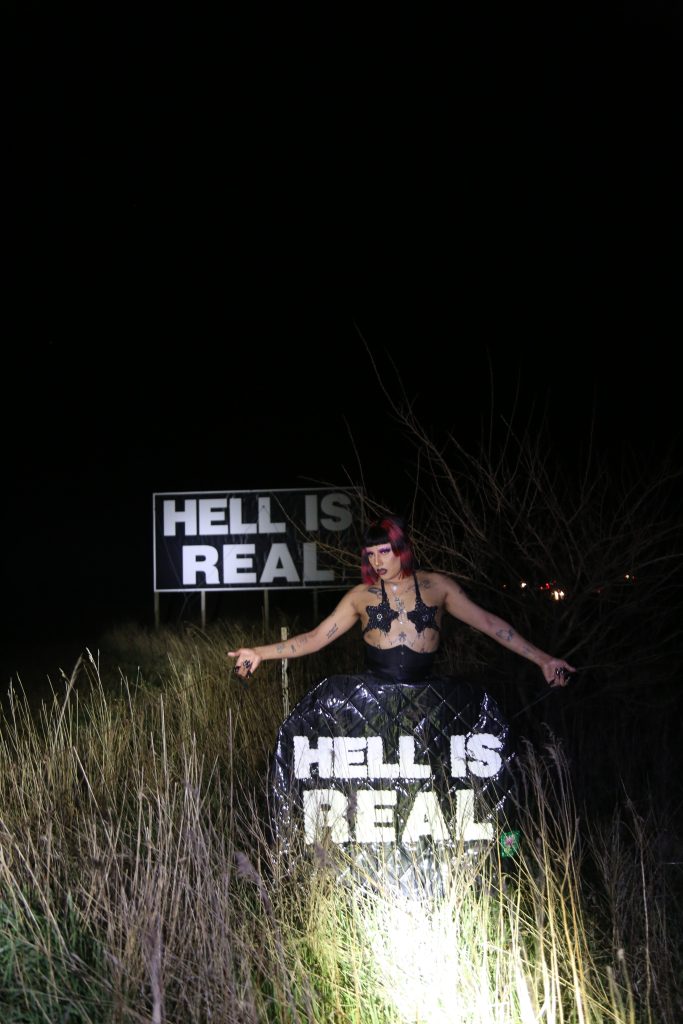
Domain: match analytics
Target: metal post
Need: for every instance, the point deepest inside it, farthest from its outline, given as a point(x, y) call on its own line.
point(285, 681)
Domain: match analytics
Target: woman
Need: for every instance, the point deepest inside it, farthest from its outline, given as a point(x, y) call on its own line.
point(400, 610)
point(404, 765)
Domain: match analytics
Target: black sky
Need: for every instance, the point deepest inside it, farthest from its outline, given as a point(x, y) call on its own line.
point(220, 227)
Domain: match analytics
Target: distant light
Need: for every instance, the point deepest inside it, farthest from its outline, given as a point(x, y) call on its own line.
point(523, 584)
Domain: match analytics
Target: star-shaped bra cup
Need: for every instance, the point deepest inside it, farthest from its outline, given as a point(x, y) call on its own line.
point(380, 616)
point(424, 616)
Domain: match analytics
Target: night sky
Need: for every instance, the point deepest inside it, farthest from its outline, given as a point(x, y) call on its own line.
point(218, 230)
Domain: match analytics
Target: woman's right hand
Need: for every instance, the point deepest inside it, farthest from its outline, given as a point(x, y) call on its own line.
point(247, 661)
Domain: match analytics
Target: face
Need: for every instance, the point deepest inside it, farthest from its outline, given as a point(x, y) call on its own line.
point(386, 564)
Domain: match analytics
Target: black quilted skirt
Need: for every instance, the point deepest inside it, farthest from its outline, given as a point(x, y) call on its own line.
point(398, 776)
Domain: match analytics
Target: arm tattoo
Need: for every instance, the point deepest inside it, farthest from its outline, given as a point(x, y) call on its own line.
point(505, 634)
point(332, 631)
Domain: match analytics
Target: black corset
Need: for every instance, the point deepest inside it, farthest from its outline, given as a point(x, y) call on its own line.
point(399, 664)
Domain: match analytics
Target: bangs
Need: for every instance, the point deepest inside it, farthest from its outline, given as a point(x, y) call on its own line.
point(375, 534)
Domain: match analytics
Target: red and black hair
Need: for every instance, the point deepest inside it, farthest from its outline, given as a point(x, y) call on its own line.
point(387, 530)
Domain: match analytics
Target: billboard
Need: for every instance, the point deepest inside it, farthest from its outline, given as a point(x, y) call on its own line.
point(256, 540)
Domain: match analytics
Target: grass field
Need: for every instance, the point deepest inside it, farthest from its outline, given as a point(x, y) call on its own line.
point(137, 882)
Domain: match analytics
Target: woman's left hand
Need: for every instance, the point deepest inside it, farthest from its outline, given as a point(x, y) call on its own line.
point(557, 672)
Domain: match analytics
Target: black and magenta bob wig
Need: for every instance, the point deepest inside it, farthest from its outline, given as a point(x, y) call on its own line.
point(387, 530)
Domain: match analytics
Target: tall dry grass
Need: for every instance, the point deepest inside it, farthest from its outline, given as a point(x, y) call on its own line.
point(137, 882)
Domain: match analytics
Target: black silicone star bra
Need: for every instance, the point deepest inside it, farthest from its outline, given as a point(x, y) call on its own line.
point(380, 616)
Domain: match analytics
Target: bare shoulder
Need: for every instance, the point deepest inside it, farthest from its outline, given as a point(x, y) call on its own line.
point(434, 581)
point(438, 585)
point(359, 595)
